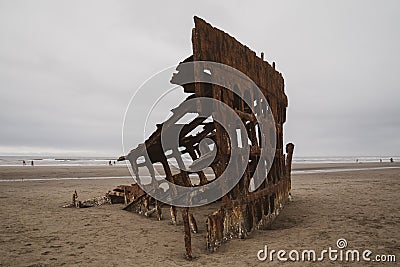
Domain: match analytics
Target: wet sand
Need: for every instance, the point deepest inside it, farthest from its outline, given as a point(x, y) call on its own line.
point(361, 206)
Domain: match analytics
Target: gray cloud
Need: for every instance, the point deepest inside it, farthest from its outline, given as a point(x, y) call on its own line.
point(69, 68)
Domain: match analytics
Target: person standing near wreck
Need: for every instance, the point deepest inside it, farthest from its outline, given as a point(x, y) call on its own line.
point(391, 160)
point(32, 163)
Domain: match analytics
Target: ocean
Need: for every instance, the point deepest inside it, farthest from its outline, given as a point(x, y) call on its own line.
point(104, 161)
point(346, 159)
point(57, 161)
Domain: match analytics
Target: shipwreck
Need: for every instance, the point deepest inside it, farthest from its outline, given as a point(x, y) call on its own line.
point(241, 210)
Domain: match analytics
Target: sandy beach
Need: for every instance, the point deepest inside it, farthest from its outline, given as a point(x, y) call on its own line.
point(361, 206)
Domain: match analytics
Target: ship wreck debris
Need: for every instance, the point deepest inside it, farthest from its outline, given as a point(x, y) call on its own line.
point(241, 211)
point(93, 202)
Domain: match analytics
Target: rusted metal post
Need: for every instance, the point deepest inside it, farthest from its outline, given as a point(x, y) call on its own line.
point(125, 197)
point(74, 199)
point(158, 210)
point(186, 227)
point(289, 155)
point(193, 224)
point(172, 211)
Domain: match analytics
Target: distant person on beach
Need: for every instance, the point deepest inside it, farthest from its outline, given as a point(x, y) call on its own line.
point(114, 162)
point(391, 160)
point(380, 160)
point(32, 163)
point(109, 163)
point(23, 163)
point(356, 160)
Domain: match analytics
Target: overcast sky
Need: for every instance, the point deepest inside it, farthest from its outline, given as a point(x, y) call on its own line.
point(69, 68)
